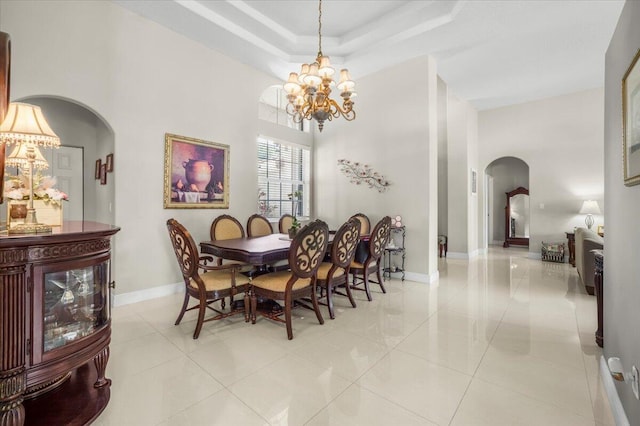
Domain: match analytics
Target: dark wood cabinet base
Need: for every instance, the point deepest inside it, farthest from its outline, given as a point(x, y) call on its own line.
point(75, 402)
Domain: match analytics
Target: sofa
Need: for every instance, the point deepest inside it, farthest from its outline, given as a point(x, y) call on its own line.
point(587, 240)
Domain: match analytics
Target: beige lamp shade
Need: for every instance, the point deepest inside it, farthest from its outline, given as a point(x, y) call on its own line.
point(19, 157)
point(590, 207)
point(25, 124)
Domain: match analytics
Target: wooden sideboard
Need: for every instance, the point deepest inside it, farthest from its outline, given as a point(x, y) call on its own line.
point(571, 240)
point(599, 281)
point(55, 321)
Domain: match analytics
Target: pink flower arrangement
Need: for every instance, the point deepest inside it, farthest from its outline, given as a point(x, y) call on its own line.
point(17, 188)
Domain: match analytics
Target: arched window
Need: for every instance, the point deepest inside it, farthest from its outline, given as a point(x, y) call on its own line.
point(272, 108)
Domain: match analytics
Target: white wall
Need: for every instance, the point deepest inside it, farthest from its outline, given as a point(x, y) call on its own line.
point(443, 160)
point(392, 134)
point(145, 80)
point(462, 129)
point(560, 138)
point(622, 236)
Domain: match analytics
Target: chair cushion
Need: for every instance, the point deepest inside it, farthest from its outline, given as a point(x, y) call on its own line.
point(323, 270)
point(218, 280)
point(358, 265)
point(277, 281)
point(227, 229)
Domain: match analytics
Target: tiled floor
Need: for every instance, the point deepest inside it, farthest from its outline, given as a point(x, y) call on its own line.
point(500, 340)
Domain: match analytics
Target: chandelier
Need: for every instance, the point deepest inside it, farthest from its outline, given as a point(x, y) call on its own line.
point(309, 91)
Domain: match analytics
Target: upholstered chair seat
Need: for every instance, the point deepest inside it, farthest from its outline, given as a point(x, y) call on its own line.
point(377, 242)
point(334, 275)
point(307, 250)
point(211, 285)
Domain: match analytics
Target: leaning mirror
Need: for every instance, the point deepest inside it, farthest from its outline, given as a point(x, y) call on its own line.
point(516, 223)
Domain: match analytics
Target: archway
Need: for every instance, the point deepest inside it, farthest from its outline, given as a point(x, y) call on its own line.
point(502, 175)
point(88, 138)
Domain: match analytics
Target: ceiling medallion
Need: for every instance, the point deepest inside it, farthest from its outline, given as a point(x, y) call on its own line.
point(309, 92)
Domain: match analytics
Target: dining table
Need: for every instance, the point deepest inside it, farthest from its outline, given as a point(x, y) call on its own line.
point(255, 250)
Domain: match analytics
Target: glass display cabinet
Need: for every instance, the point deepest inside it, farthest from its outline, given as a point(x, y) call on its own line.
point(74, 304)
point(55, 325)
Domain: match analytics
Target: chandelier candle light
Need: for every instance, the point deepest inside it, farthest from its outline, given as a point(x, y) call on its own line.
point(25, 125)
point(309, 91)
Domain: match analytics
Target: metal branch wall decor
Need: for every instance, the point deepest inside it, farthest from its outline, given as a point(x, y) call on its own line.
point(363, 173)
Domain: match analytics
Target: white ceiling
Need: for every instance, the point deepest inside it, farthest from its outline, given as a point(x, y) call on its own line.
point(491, 53)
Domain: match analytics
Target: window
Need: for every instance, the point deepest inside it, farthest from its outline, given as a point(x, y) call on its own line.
point(283, 173)
point(272, 108)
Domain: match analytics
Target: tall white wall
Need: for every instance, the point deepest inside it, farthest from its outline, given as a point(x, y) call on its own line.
point(560, 138)
point(443, 186)
point(393, 134)
point(462, 128)
point(144, 80)
point(622, 236)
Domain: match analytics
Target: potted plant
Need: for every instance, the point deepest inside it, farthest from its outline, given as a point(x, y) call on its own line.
point(295, 226)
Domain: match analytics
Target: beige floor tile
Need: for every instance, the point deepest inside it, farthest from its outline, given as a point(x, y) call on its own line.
point(289, 391)
point(155, 394)
point(485, 404)
point(138, 355)
point(358, 406)
point(540, 379)
point(222, 409)
point(420, 386)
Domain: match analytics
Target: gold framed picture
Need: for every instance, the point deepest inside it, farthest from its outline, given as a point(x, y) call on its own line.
point(631, 123)
point(196, 173)
point(601, 230)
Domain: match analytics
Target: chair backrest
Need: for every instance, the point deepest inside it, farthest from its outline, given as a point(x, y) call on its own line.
point(345, 242)
point(365, 224)
point(308, 249)
point(226, 227)
point(285, 223)
point(379, 238)
point(258, 225)
point(185, 249)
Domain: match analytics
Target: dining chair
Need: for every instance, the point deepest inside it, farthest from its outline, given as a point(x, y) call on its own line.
point(334, 274)
point(285, 222)
point(258, 226)
point(225, 227)
point(307, 250)
point(212, 285)
point(365, 224)
point(377, 242)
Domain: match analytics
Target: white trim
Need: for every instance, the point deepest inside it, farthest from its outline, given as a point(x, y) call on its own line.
point(422, 278)
point(612, 394)
point(483, 251)
point(456, 255)
point(473, 254)
point(147, 294)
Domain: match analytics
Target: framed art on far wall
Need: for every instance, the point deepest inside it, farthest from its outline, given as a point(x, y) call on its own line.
point(109, 162)
point(97, 173)
point(196, 173)
point(103, 174)
point(631, 123)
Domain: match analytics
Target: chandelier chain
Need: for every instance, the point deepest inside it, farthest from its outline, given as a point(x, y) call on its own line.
point(319, 28)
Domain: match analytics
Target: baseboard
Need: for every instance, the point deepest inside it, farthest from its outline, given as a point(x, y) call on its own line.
point(456, 255)
point(421, 278)
point(147, 294)
point(612, 394)
point(483, 251)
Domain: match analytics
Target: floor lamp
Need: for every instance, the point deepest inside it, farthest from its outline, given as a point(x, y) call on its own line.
point(25, 125)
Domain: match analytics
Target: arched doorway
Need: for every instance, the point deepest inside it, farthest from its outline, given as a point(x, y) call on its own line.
point(85, 137)
point(502, 176)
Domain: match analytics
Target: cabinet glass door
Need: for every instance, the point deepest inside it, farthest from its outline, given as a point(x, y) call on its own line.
point(75, 304)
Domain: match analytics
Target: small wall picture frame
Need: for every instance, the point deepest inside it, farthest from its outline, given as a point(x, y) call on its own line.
point(103, 174)
point(109, 163)
point(97, 173)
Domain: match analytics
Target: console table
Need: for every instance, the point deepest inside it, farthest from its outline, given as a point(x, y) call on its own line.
point(598, 281)
point(55, 325)
point(571, 238)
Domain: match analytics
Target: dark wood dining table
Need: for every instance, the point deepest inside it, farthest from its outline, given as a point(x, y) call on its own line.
point(255, 251)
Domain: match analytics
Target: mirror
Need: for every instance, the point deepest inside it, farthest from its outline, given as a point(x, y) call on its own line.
point(516, 226)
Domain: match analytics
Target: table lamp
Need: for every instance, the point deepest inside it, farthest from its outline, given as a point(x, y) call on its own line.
point(589, 207)
point(25, 125)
